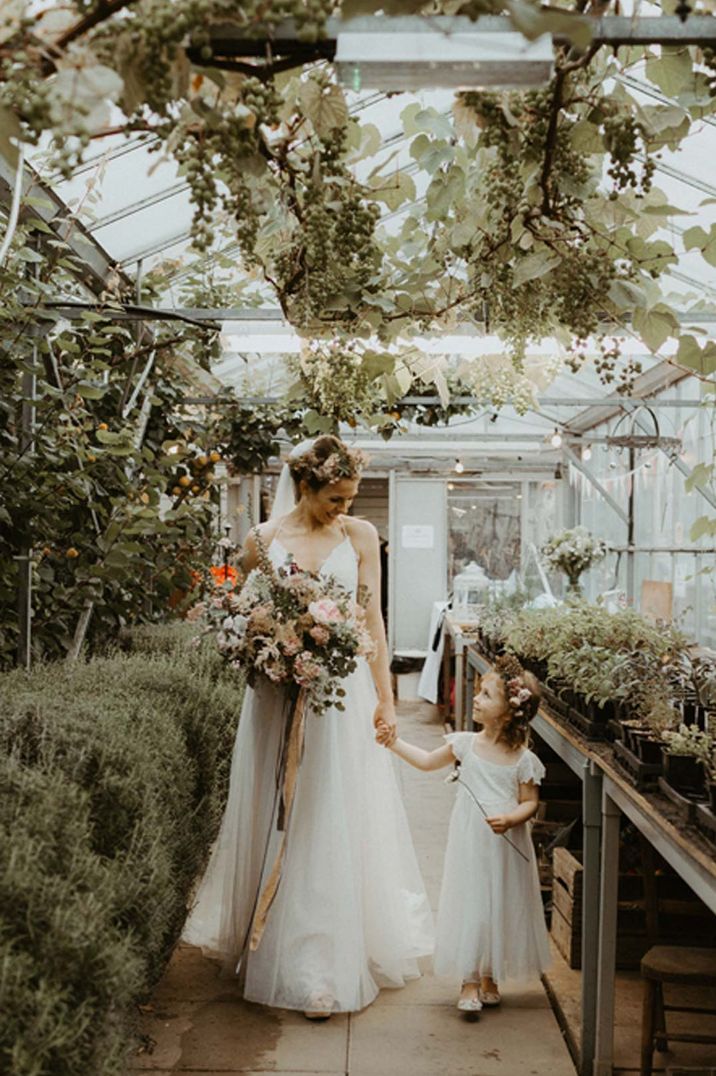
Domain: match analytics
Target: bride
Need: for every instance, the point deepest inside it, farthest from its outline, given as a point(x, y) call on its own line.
point(351, 914)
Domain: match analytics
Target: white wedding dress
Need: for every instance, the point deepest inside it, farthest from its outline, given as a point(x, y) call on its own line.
point(351, 914)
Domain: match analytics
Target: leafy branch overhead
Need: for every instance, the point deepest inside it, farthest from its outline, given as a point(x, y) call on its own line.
point(540, 208)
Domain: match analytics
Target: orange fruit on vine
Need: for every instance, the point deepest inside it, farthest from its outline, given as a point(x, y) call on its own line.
point(72, 553)
point(103, 426)
point(185, 480)
point(214, 456)
point(176, 491)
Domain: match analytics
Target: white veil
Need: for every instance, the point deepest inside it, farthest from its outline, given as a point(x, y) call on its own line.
point(284, 500)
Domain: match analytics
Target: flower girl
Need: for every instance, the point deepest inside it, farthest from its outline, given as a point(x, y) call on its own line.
point(490, 921)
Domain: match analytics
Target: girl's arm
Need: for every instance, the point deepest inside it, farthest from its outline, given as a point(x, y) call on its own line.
point(365, 539)
point(421, 759)
point(528, 804)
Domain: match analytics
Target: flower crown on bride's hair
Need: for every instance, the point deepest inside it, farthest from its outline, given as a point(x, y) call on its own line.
point(325, 461)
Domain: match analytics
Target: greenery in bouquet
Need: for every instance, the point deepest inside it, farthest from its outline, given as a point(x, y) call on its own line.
point(573, 551)
point(292, 627)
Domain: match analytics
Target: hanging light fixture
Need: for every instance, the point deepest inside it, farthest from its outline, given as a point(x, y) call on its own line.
point(459, 466)
point(412, 54)
point(587, 453)
point(556, 439)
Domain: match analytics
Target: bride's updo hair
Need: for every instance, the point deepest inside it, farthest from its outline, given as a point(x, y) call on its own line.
point(326, 461)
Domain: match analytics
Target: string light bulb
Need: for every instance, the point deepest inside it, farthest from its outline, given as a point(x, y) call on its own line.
point(587, 453)
point(556, 439)
point(459, 466)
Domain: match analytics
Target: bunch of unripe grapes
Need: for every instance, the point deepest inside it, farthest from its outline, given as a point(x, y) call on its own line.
point(622, 137)
point(196, 477)
point(607, 365)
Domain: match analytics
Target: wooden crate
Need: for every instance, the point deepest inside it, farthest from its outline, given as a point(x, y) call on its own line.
point(683, 919)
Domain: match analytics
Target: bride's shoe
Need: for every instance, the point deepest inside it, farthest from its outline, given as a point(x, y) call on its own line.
point(321, 1007)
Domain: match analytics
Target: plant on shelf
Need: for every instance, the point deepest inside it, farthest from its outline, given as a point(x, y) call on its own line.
point(686, 750)
point(660, 717)
point(572, 552)
point(710, 775)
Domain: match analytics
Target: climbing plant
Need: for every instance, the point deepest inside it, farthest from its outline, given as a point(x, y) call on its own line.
point(531, 215)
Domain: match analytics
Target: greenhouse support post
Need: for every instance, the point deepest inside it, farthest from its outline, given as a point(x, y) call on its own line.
point(24, 559)
point(592, 822)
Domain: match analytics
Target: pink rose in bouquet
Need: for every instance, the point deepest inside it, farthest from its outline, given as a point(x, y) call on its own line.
point(325, 611)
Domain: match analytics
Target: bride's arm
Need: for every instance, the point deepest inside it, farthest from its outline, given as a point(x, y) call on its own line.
point(365, 539)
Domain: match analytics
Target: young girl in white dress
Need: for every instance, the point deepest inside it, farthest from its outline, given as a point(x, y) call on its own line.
point(491, 924)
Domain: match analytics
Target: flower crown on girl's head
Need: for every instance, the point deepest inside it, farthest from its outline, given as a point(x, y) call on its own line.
point(516, 691)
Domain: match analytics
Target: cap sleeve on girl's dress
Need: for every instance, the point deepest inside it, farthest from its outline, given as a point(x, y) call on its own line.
point(529, 768)
point(460, 742)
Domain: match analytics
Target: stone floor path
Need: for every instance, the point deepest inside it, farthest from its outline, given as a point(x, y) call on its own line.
point(197, 1023)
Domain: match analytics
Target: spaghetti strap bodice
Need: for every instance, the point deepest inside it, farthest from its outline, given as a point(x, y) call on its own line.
point(341, 562)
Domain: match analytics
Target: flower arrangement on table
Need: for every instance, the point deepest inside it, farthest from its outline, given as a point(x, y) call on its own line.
point(292, 627)
point(572, 552)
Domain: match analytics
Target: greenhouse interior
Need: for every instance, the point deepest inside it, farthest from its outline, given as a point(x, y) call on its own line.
point(357, 422)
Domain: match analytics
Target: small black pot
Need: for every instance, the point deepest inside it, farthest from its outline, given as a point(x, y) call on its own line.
point(684, 773)
point(632, 736)
point(712, 796)
point(649, 749)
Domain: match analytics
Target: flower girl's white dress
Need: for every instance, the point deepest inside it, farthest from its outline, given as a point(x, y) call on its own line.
point(490, 917)
point(351, 913)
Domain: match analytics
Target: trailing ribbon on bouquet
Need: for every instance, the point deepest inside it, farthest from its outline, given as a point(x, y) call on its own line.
point(291, 754)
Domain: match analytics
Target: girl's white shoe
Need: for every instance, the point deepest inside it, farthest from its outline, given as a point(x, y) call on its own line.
point(471, 1005)
point(489, 997)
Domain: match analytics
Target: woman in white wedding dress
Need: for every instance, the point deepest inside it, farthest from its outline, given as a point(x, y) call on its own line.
point(351, 914)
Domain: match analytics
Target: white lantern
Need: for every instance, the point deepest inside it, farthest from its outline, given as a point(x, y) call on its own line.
point(468, 587)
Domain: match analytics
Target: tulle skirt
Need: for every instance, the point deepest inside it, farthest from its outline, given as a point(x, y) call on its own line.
point(351, 914)
point(490, 917)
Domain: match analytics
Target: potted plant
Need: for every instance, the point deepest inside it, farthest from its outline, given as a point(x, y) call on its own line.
point(684, 752)
point(572, 552)
point(660, 718)
point(710, 775)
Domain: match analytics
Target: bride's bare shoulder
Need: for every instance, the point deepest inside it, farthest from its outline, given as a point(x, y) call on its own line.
point(361, 532)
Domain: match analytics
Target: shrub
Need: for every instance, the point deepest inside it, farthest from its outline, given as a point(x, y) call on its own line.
point(116, 773)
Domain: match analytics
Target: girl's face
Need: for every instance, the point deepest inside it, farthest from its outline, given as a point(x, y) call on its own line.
point(329, 502)
point(490, 705)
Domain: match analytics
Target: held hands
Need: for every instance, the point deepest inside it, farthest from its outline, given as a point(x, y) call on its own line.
point(384, 714)
point(386, 735)
point(499, 823)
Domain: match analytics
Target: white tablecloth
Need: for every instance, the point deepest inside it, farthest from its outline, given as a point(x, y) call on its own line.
point(428, 685)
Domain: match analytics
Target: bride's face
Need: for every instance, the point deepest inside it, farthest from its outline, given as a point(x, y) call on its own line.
point(329, 502)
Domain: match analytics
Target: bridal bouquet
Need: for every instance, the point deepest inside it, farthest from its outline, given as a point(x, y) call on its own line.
point(573, 551)
point(293, 627)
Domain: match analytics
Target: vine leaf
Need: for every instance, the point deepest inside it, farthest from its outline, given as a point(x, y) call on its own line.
point(324, 106)
point(533, 23)
point(655, 326)
point(705, 241)
point(672, 71)
point(393, 190)
point(536, 265)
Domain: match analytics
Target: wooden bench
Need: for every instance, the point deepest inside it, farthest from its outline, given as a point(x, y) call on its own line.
point(680, 965)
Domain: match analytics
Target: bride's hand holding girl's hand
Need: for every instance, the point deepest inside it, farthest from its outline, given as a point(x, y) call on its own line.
point(385, 714)
point(386, 734)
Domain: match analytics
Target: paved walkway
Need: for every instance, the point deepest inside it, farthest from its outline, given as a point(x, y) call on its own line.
point(198, 1024)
